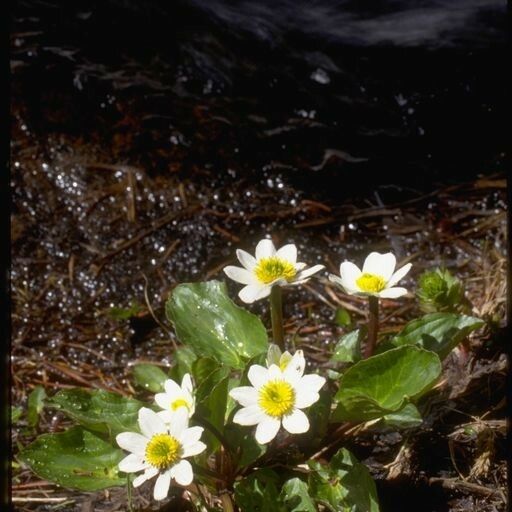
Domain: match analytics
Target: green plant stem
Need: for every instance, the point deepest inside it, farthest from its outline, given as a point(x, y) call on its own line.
point(276, 312)
point(373, 326)
point(129, 493)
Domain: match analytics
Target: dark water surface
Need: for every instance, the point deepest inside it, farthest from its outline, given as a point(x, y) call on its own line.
point(153, 138)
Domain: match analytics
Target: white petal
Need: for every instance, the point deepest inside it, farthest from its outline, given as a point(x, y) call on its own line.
point(308, 272)
point(193, 449)
point(163, 400)
point(398, 275)
point(288, 252)
point(150, 423)
point(300, 266)
point(265, 249)
point(186, 383)
point(249, 416)
point(163, 482)
point(240, 275)
point(244, 395)
point(132, 463)
point(337, 281)
point(295, 368)
point(182, 472)
point(310, 382)
point(191, 435)
point(274, 372)
point(165, 416)
point(392, 293)
point(380, 264)
point(132, 442)
point(306, 399)
point(257, 375)
point(172, 388)
point(149, 473)
point(254, 292)
point(296, 422)
point(179, 422)
point(267, 430)
point(349, 273)
point(247, 260)
point(281, 281)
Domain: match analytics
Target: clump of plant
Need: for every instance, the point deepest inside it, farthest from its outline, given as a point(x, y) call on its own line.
point(239, 423)
point(439, 290)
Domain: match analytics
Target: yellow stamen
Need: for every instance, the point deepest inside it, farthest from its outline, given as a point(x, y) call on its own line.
point(270, 269)
point(179, 402)
point(163, 450)
point(277, 398)
point(371, 283)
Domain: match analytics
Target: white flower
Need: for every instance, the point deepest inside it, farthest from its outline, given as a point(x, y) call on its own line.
point(176, 397)
point(274, 356)
point(276, 398)
point(161, 450)
point(378, 277)
point(268, 268)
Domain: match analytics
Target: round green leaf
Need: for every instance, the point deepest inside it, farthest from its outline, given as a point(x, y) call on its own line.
point(439, 332)
point(149, 377)
point(99, 410)
point(383, 383)
point(348, 348)
point(35, 405)
point(207, 320)
point(76, 459)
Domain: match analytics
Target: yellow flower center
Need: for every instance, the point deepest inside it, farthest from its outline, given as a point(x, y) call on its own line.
point(179, 402)
point(371, 283)
point(270, 269)
point(163, 450)
point(277, 398)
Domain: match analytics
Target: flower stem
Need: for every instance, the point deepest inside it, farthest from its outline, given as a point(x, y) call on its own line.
point(373, 326)
point(129, 493)
point(227, 504)
point(276, 312)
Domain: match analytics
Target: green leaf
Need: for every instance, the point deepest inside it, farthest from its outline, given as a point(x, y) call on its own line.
point(343, 485)
point(76, 459)
point(242, 442)
point(384, 383)
point(439, 332)
point(202, 368)
point(149, 377)
point(184, 358)
point(258, 492)
point(213, 408)
point(99, 410)
point(356, 479)
point(16, 413)
point(296, 496)
point(342, 317)
point(407, 417)
point(325, 486)
point(125, 313)
point(318, 415)
point(207, 320)
point(35, 405)
point(348, 348)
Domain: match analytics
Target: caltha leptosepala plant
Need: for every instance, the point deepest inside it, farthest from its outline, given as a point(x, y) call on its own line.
point(245, 422)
